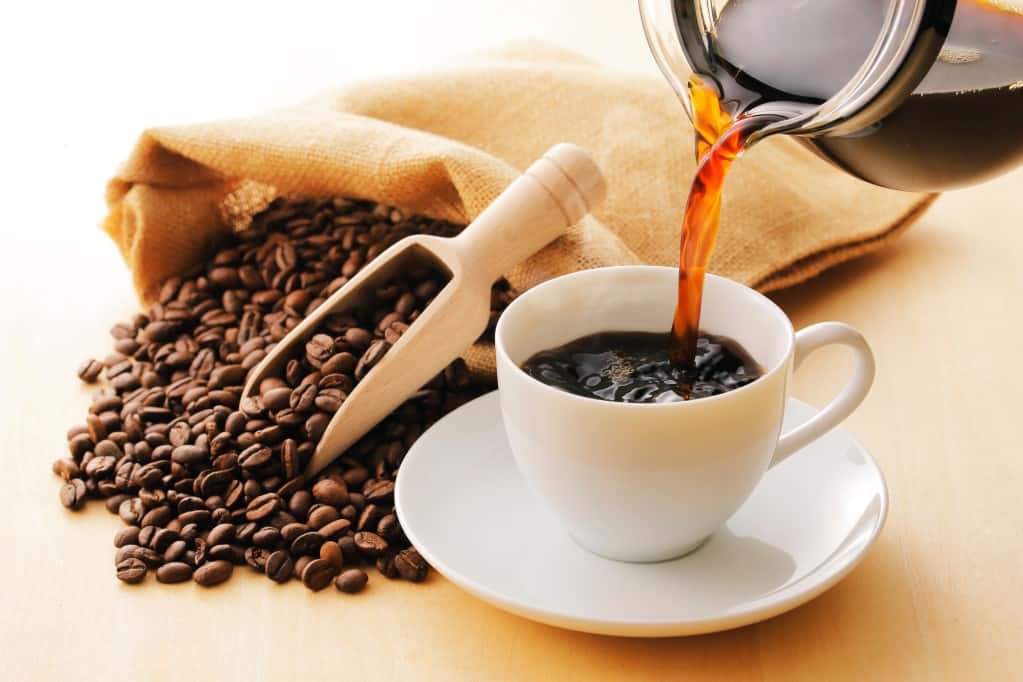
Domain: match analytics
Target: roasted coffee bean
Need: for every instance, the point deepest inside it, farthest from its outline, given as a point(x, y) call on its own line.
point(355, 476)
point(235, 423)
point(277, 398)
point(131, 571)
point(279, 566)
point(227, 375)
point(107, 448)
point(162, 539)
point(307, 543)
point(126, 382)
point(236, 554)
point(213, 573)
point(380, 492)
point(124, 552)
point(256, 557)
point(317, 574)
point(200, 551)
point(189, 531)
point(329, 400)
point(394, 331)
point(321, 515)
point(121, 366)
point(267, 537)
point(105, 402)
point(160, 331)
point(188, 454)
point(388, 527)
point(79, 444)
point(127, 536)
point(329, 491)
point(175, 551)
point(131, 510)
point(300, 503)
point(220, 515)
point(359, 339)
point(180, 433)
point(252, 489)
point(289, 418)
point(148, 476)
point(369, 518)
point(89, 371)
point(254, 456)
point(290, 532)
point(385, 566)
point(100, 466)
point(335, 529)
point(269, 435)
point(293, 372)
point(289, 458)
point(263, 506)
point(153, 415)
point(144, 554)
point(331, 553)
point(316, 425)
point(406, 303)
point(270, 383)
point(146, 535)
point(373, 355)
point(351, 580)
point(299, 564)
point(295, 303)
point(200, 517)
point(302, 399)
point(218, 479)
point(411, 565)
point(174, 572)
point(348, 549)
point(370, 544)
point(319, 349)
point(72, 494)
point(340, 382)
point(157, 517)
point(190, 503)
point(243, 533)
point(341, 363)
point(221, 534)
point(234, 494)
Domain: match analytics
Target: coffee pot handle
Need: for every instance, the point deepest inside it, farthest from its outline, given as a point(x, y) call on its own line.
point(808, 340)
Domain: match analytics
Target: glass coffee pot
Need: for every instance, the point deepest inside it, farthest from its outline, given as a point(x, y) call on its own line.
point(908, 94)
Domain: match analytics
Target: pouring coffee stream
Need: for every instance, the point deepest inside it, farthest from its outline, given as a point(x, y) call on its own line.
point(719, 142)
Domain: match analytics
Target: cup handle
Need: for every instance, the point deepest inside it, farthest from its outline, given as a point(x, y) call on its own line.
point(808, 340)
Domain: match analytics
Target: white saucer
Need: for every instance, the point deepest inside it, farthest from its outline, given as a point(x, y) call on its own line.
point(464, 505)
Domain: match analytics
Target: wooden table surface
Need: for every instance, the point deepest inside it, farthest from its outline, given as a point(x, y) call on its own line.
point(938, 597)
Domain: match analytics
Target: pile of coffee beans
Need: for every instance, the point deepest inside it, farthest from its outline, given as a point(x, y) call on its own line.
point(205, 480)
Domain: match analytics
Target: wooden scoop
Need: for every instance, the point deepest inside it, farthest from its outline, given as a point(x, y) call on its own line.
point(555, 192)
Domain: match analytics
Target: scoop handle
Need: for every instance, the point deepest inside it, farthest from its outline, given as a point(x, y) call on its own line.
point(556, 191)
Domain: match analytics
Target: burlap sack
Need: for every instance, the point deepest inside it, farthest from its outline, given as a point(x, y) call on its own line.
point(446, 143)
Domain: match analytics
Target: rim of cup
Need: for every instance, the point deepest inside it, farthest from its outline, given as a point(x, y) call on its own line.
point(539, 289)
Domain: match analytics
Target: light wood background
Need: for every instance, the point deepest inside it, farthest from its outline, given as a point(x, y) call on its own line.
point(937, 598)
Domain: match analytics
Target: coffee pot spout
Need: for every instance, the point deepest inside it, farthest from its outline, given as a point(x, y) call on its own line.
point(918, 95)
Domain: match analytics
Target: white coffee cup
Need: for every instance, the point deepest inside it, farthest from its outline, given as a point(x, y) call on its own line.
point(649, 482)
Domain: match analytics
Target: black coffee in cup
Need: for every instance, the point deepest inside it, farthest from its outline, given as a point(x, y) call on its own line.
point(634, 367)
